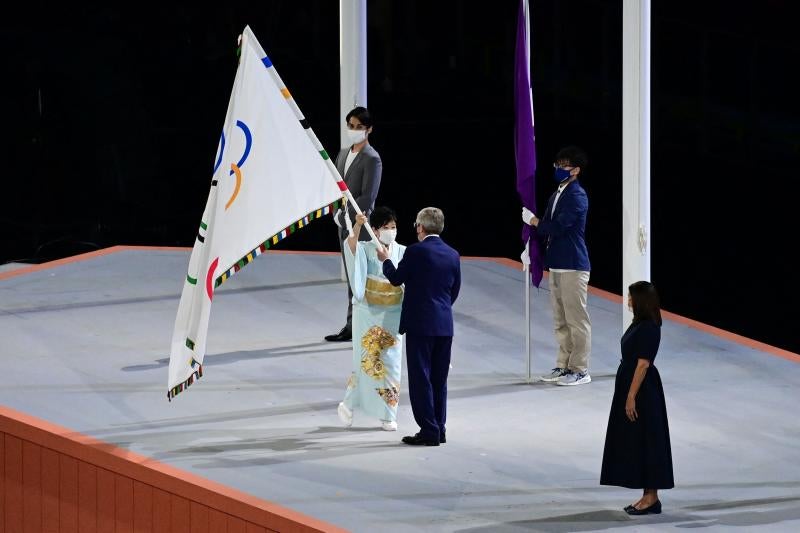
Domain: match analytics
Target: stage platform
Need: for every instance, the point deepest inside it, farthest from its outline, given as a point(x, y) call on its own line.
point(85, 344)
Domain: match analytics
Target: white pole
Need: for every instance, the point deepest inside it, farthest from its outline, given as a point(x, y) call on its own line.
point(352, 59)
point(635, 147)
point(352, 66)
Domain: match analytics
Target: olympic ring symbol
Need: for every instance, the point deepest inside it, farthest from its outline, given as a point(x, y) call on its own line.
point(235, 168)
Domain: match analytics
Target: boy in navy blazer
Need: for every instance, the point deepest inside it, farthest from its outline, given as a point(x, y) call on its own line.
point(562, 230)
point(431, 272)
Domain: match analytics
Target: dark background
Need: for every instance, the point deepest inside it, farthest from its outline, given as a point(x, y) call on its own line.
point(112, 115)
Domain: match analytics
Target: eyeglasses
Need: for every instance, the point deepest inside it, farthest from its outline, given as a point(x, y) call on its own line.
point(564, 166)
point(356, 126)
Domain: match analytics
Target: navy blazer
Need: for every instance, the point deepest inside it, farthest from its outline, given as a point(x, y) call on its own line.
point(563, 232)
point(431, 271)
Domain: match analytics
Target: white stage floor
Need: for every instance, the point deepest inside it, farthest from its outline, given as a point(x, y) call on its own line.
point(85, 344)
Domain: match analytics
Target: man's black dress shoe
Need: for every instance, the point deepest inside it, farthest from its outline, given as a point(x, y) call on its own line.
point(653, 509)
point(419, 440)
point(344, 335)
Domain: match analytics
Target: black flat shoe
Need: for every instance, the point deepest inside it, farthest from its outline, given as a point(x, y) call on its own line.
point(419, 440)
point(344, 335)
point(442, 439)
point(653, 509)
point(628, 508)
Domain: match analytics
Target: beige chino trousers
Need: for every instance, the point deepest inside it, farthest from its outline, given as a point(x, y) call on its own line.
point(571, 319)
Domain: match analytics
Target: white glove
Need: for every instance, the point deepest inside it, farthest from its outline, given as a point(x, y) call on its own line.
point(527, 215)
point(525, 256)
point(336, 217)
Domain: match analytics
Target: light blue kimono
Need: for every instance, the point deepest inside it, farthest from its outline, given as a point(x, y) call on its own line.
point(374, 385)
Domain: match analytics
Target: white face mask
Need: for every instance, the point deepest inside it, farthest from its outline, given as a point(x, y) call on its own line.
point(387, 236)
point(356, 136)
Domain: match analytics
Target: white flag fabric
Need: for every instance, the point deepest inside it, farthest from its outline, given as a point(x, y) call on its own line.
point(271, 177)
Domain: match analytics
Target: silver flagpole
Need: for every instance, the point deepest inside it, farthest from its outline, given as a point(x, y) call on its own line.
point(527, 246)
point(526, 279)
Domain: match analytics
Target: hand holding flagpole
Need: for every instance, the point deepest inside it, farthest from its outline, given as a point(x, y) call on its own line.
point(349, 196)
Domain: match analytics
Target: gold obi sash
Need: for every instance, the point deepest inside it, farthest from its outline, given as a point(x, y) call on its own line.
point(380, 292)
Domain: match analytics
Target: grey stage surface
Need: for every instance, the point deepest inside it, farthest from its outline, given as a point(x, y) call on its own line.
point(85, 345)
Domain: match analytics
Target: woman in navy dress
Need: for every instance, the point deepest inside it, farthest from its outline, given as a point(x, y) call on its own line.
point(637, 453)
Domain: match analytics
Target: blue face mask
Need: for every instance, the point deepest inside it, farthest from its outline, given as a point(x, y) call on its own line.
point(561, 174)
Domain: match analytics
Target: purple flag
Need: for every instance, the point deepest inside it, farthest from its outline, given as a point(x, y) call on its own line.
point(524, 141)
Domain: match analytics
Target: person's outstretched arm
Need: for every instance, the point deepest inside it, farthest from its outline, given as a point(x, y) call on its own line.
point(353, 238)
point(396, 276)
point(565, 219)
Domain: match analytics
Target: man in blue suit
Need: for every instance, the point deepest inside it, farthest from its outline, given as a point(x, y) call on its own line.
point(562, 229)
point(431, 272)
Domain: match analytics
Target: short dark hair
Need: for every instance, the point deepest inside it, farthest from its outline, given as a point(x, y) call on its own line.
point(574, 156)
point(362, 114)
point(381, 216)
point(644, 300)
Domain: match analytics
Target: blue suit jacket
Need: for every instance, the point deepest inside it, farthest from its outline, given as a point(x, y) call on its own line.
point(562, 231)
point(431, 271)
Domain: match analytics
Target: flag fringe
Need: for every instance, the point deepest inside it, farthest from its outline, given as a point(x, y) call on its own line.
point(179, 388)
point(275, 239)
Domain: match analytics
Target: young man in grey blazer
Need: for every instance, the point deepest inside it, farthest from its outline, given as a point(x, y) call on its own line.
point(360, 167)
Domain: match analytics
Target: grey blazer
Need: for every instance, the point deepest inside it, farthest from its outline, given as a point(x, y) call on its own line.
point(363, 178)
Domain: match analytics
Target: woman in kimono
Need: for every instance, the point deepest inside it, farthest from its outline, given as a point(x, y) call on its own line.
point(374, 384)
